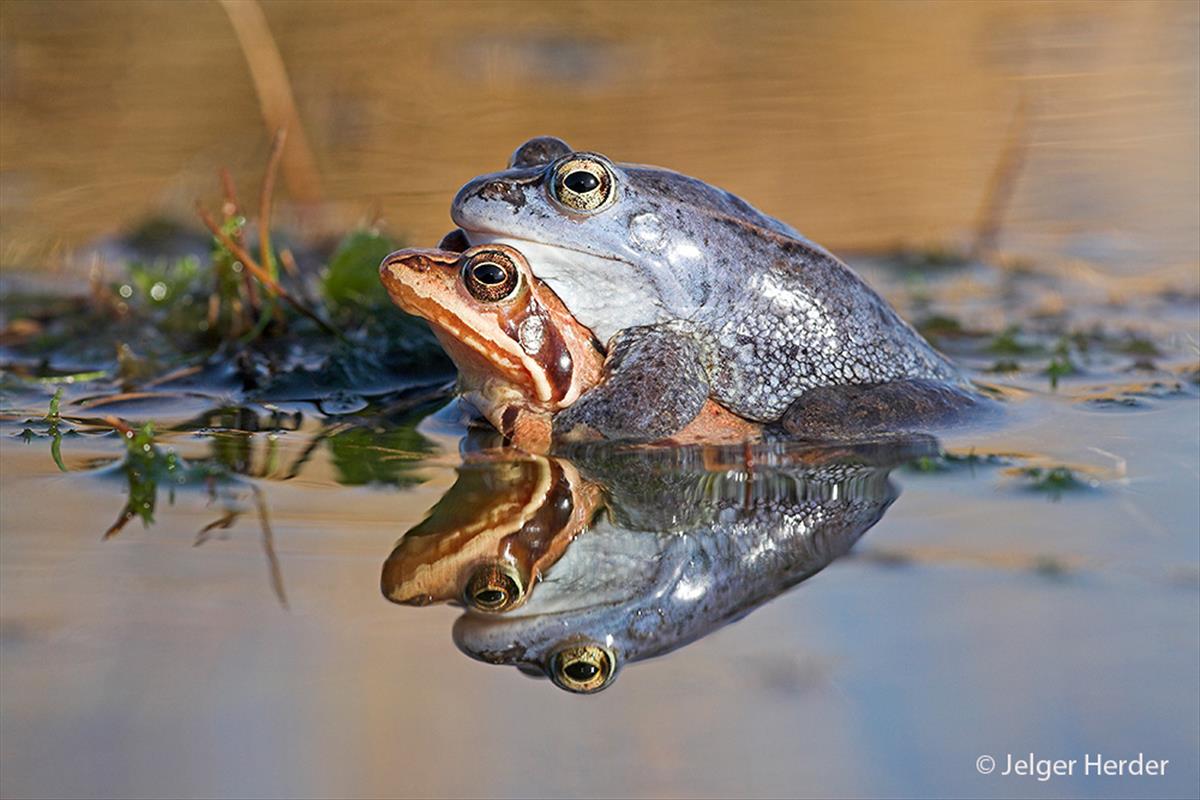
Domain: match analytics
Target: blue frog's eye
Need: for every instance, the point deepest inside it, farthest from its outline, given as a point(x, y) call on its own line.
point(582, 183)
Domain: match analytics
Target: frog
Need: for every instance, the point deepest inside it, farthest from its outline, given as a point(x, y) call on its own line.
point(522, 357)
point(696, 295)
point(485, 544)
point(640, 583)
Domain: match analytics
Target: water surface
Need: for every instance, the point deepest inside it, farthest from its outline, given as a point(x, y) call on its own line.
point(985, 609)
point(1026, 584)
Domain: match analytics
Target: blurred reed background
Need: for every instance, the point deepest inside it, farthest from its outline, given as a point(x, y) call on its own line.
point(866, 125)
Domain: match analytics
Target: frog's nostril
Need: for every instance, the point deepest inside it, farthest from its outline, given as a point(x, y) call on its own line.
point(503, 191)
point(410, 260)
point(396, 259)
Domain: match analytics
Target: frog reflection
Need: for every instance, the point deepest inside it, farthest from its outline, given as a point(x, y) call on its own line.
point(486, 542)
point(688, 540)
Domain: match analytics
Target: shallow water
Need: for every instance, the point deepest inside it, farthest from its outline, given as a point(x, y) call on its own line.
point(984, 613)
point(1025, 584)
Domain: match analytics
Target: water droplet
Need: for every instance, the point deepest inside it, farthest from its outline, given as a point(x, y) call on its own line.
point(158, 292)
point(125, 291)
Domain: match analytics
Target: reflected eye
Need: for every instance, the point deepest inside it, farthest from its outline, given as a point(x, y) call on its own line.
point(490, 276)
point(584, 668)
point(583, 183)
point(493, 588)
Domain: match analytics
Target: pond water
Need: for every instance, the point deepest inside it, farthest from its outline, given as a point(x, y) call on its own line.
point(229, 602)
point(238, 642)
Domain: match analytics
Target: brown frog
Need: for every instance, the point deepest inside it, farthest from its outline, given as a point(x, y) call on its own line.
point(522, 356)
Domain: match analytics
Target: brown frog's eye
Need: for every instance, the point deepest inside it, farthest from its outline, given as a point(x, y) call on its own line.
point(582, 668)
point(583, 183)
point(492, 588)
point(490, 276)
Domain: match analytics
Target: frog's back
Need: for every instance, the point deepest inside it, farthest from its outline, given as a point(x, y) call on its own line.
point(799, 319)
point(702, 200)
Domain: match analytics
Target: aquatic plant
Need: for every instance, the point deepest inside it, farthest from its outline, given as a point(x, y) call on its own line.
point(1053, 480)
point(1010, 343)
point(1004, 365)
point(146, 467)
point(948, 461)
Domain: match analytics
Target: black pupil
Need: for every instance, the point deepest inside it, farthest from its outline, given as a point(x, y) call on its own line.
point(581, 671)
point(581, 182)
point(490, 597)
point(489, 273)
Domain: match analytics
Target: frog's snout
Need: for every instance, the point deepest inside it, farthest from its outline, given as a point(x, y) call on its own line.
point(482, 195)
point(414, 260)
point(404, 265)
point(404, 270)
point(497, 190)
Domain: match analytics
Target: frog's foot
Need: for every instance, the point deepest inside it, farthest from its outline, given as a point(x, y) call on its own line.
point(852, 411)
point(652, 386)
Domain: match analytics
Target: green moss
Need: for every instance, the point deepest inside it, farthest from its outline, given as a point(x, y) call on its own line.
point(1053, 480)
point(950, 462)
point(1004, 365)
point(936, 256)
point(938, 326)
point(352, 278)
point(1009, 343)
point(1137, 346)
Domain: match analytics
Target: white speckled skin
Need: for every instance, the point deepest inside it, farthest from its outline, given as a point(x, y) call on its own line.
point(774, 314)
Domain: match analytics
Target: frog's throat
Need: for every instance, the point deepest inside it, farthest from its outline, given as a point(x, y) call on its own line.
point(499, 355)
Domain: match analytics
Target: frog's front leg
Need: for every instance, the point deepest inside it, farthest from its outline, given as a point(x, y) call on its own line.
point(653, 385)
point(850, 411)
